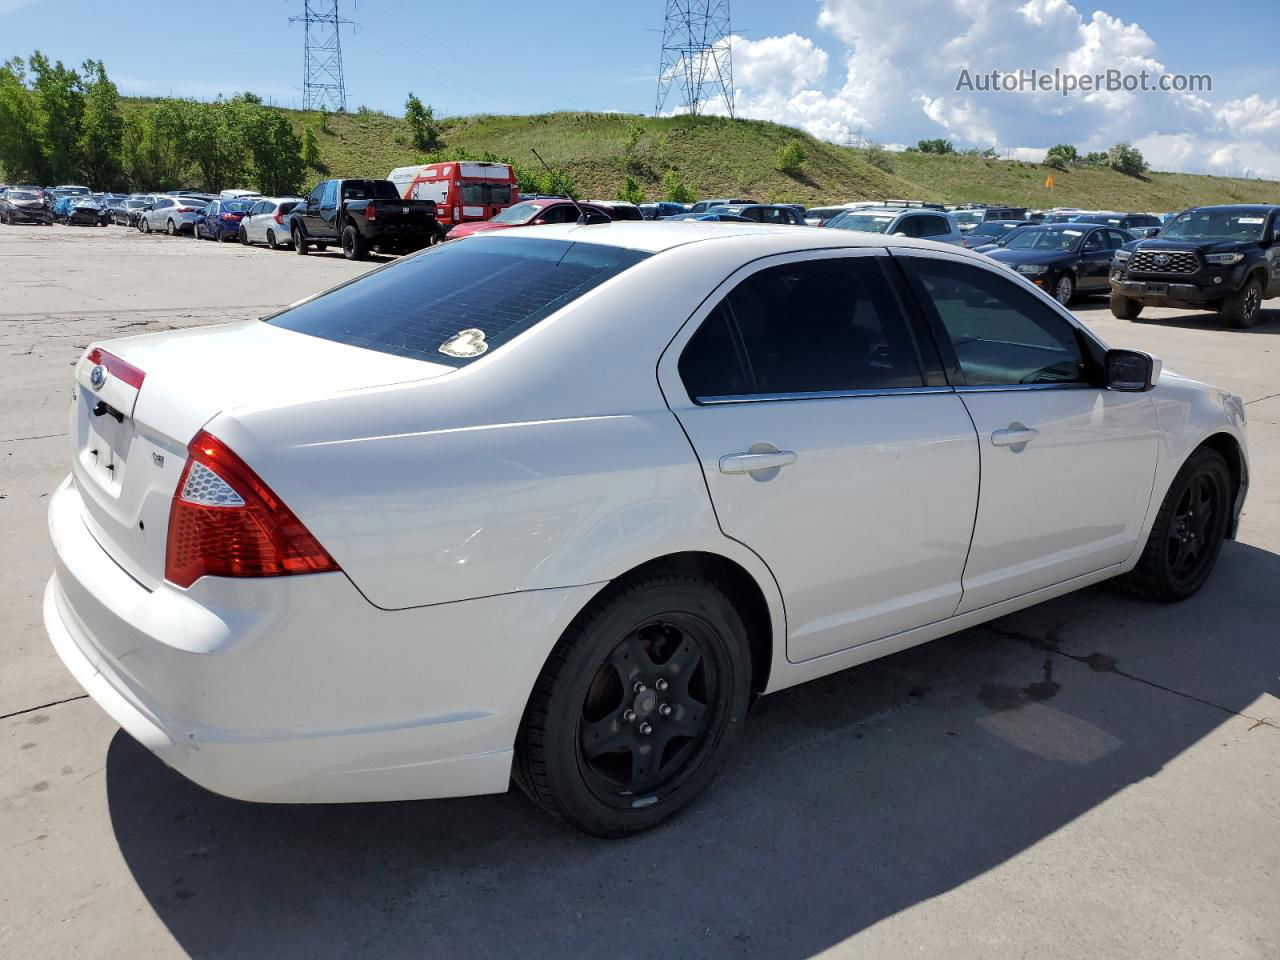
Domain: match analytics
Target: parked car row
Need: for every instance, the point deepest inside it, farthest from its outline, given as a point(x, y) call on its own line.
point(1219, 258)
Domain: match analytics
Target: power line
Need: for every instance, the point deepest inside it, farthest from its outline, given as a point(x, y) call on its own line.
point(323, 86)
point(697, 56)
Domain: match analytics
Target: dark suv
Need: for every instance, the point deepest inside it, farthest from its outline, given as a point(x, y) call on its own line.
point(1223, 258)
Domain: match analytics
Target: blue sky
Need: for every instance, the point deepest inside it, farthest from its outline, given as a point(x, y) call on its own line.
point(793, 63)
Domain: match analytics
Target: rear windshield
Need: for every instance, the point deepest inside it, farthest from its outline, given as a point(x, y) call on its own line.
point(369, 190)
point(458, 301)
point(20, 195)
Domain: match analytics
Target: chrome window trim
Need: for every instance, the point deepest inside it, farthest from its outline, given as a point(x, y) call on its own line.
point(819, 395)
point(1002, 388)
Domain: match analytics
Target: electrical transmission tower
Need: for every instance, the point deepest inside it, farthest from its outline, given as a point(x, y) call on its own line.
point(323, 87)
point(696, 56)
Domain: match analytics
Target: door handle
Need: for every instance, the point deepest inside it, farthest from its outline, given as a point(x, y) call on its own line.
point(1017, 435)
point(755, 461)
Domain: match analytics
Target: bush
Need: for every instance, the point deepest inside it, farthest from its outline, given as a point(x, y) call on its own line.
point(422, 123)
point(879, 157)
point(311, 152)
point(1127, 159)
point(791, 159)
point(674, 189)
point(1060, 155)
point(936, 146)
point(630, 191)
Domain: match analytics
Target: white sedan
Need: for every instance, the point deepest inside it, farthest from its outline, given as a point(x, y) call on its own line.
point(267, 222)
point(557, 503)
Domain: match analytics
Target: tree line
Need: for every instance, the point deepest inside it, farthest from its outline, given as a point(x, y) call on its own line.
point(63, 125)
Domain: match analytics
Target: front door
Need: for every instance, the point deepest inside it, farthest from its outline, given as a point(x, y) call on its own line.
point(1067, 466)
point(826, 446)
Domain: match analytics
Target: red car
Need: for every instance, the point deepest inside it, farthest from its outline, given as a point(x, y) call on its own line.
point(528, 213)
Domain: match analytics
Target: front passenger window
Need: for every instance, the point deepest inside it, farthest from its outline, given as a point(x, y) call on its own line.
point(1001, 333)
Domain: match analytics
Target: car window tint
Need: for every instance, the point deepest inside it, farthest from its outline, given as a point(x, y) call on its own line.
point(1001, 333)
point(818, 326)
point(934, 227)
point(908, 227)
point(711, 364)
point(330, 196)
point(458, 300)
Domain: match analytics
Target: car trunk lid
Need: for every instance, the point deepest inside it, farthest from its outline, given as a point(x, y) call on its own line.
point(139, 401)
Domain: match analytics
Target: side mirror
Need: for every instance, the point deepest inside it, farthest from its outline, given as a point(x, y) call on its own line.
point(1151, 232)
point(539, 221)
point(900, 233)
point(1131, 371)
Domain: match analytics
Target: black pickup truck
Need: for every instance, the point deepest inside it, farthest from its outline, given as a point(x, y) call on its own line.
point(1220, 258)
point(363, 215)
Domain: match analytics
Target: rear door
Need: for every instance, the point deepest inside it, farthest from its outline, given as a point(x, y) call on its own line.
point(829, 445)
point(1095, 260)
point(1067, 466)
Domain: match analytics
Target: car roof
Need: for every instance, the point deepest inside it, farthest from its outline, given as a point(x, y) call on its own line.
point(655, 236)
point(1235, 206)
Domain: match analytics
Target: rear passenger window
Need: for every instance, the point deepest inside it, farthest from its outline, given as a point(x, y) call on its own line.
point(1002, 335)
point(934, 227)
point(816, 326)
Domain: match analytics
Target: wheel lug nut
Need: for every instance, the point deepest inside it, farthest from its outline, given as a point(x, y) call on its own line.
point(645, 729)
point(628, 715)
point(639, 687)
point(662, 685)
point(665, 709)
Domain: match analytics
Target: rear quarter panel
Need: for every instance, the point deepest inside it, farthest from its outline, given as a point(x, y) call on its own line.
point(554, 461)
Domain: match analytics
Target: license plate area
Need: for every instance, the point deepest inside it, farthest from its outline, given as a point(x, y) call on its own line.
point(105, 451)
point(1158, 289)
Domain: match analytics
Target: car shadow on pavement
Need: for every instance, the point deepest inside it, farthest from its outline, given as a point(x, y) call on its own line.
point(849, 799)
point(1268, 321)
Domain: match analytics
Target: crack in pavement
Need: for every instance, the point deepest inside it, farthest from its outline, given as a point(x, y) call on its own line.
point(1270, 396)
point(44, 706)
point(38, 436)
point(1052, 646)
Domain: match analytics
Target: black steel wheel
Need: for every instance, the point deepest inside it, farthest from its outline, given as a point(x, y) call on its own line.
point(1241, 310)
point(636, 709)
point(1188, 533)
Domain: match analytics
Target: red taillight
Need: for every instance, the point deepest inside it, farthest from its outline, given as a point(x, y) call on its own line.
point(371, 212)
point(225, 522)
point(231, 216)
point(120, 369)
point(279, 218)
point(184, 209)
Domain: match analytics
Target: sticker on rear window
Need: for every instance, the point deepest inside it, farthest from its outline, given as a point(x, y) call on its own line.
point(1072, 233)
point(882, 219)
point(465, 344)
point(1251, 220)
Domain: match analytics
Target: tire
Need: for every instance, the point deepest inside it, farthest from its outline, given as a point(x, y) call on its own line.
point(271, 240)
point(1188, 533)
point(1242, 308)
point(171, 228)
point(242, 237)
point(353, 245)
point(643, 660)
point(1064, 288)
point(1125, 308)
point(299, 244)
point(144, 225)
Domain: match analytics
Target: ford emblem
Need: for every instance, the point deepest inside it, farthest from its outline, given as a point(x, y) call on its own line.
point(98, 376)
point(1162, 259)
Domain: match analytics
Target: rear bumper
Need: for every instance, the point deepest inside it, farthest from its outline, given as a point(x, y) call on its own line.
point(297, 689)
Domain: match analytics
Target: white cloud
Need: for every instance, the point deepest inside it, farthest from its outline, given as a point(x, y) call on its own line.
point(900, 61)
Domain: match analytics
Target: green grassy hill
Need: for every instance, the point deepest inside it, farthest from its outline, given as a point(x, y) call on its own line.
point(721, 157)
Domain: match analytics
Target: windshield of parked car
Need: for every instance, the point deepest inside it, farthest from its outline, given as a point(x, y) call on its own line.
point(20, 195)
point(866, 222)
point(237, 206)
point(520, 213)
point(968, 216)
point(458, 301)
point(1223, 224)
point(994, 228)
point(135, 204)
point(1040, 239)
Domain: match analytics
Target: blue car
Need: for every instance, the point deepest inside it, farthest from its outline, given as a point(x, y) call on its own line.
point(220, 220)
